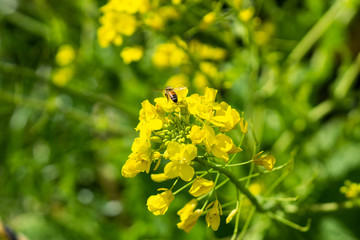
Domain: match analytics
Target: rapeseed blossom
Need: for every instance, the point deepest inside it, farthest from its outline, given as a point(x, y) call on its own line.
point(188, 216)
point(268, 161)
point(351, 189)
point(119, 19)
point(132, 54)
point(189, 141)
point(65, 55)
point(201, 186)
point(172, 139)
point(213, 216)
point(205, 51)
point(169, 55)
point(159, 204)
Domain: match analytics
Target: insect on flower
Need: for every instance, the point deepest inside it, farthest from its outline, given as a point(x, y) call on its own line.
point(170, 93)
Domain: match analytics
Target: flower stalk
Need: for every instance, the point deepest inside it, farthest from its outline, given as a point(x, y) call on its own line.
point(235, 181)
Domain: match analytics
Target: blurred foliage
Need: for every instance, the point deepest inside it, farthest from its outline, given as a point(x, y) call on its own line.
point(67, 126)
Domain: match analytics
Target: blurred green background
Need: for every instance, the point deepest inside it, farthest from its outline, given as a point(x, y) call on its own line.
point(291, 66)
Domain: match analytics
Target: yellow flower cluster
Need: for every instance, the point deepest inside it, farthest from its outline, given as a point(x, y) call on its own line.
point(132, 54)
point(119, 20)
point(173, 135)
point(350, 189)
point(64, 58)
point(267, 161)
point(205, 51)
point(170, 54)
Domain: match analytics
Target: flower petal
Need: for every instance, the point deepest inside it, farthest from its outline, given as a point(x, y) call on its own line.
point(186, 172)
point(171, 170)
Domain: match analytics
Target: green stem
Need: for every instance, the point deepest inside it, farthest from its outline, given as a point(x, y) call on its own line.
point(319, 111)
point(347, 79)
point(188, 184)
point(323, 207)
point(316, 32)
point(235, 181)
point(290, 223)
point(238, 164)
point(237, 219)
point(247, 223)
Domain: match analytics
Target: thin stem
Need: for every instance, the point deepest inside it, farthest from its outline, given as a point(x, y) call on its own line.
point(235, 181)
point(238, 164)
point(247, 223)
point(347, 79)
point(316, 32)
point(323, 207)
point(225, 205)
point(174, 184)
point(237, 219)
point(290, 223)
point(188, 184)
point(282, 199)
point(239, 145)
point(214, 190)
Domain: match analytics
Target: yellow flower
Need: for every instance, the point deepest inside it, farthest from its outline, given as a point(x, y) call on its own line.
point(188, 216)
point(154, 20)
point(169, 55)
point(201, 186)
point(200, 81)
point(175, 2)
point(178, 80)
point(209, 69)
point(212, 218)
point(243, 126)
point(159, 204)
point(231, 215)
point(181, 156)
point(207, 20)
point(132, 54)
point(255, 188)
point(203, 106)
point(169, 13)
point(350, 189)
point(160, 177)
point(107, 35)
point(65, 55)
point(149, 119)
point(164, 104)
point(268, 161)
point(210, 95)
point(263, 35)
point(141, 145)
point(226, 117)
point(205, 51)
point(246, 14)
point(139, 160)
point(197, 135)
point(220, 145)
point(187, 209)
point(122, 23)
point(237, 4)
point(129, 6)
point(113, 26)
point(62, 76)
